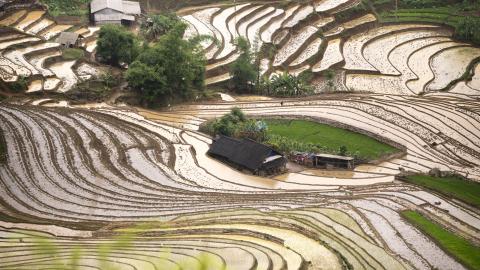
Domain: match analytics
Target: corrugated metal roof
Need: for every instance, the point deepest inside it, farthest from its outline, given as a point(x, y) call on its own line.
point(127, 7)
point(67, 38)
point(128, 18)
point(97, 5)
point(109, 17)
point(131, 8)
point(334, 156)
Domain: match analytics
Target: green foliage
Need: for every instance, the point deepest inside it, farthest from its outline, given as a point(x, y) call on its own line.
point(20, 85)
point(422, 3)
point(342, 151)
point(116, 45)
point(173, 67)
point(285, 144)
point(157, 25)
point(300, 135)
point(109, 79)
point(468, 30)
point(329, 74)
point(452, 186)
point(286, 85)
point(70, 7)
point(466, 252)
point(72, 54)
point(229, 123)
point(243, 70)
point(94, 90)
point(450, 13)
point(237, 125)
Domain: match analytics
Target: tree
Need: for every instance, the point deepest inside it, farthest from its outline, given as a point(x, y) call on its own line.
point(157, 25)
point(116, 45)
point(243, 70)
point(173, 67)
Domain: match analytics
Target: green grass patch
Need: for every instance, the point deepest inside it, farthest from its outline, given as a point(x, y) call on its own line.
point(465, 252)
point(72, 54)
point(452, 186)
point(329, 138)
point(440, 16)
point(67, 7)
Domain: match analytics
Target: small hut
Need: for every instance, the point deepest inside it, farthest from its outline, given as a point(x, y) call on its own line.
point(69, 39)
point(332, 161)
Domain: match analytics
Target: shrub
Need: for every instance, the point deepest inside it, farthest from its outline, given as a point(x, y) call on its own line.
point(235, 124)
point(286, 85)
point(20, 85)
point(468, 30)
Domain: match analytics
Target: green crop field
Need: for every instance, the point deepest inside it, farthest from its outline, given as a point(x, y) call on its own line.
point(70, 7)
point(466, 191)
point(329, 137)
point(72, 54)
point(467, 253)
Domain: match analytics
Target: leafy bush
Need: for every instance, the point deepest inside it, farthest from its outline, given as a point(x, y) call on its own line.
point(287, 145)
point(116, 45)
point(20, 85)
point(342, 151)
point(285, 85)
point(235, 124)
point(468, 30)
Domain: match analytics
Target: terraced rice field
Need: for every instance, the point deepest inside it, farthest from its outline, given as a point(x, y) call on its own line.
point(111, 166)
point(77, 175)
point(392, 58)
point(27, 43)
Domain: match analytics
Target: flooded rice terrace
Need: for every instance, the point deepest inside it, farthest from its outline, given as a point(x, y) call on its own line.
point(80, 174)
point(111, 164)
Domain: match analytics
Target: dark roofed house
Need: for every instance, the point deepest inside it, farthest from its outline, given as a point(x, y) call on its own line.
point(114, 11)
point(248, 154)
point(69, 39)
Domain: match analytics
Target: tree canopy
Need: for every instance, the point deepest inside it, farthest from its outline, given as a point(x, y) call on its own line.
point(243, 70)
point(116, 45)
point(172, 67)
point(157, 25)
